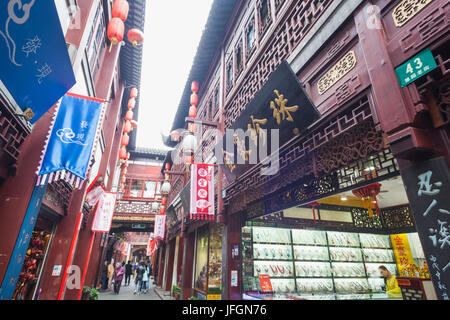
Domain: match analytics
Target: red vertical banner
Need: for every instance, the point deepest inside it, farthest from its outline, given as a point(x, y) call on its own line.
point(202, 192)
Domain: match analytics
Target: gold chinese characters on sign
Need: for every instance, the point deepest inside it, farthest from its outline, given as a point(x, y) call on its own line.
point(407, 9)
point(337, 72)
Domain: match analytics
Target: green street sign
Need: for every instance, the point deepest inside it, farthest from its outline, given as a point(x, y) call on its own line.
point(416, 68)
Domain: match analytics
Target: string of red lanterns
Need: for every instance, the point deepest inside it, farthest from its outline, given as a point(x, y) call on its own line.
point(129, 125)
point(116, 26)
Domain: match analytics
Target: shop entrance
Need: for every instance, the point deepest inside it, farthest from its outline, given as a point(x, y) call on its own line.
point(34, 262)
point(333, 248)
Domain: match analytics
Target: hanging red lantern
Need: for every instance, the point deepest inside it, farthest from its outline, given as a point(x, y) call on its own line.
point(134, 124)
point(194, 99)
point(120, 9)
point(194, 86)
point(162, 210)
point(125, 140)
point(192, 112)
point(122, 153)
point(368, 195)
point(131, 103)
point(125, 165)
point(115, 31)
point(124, 172)
point(134, 93)
point(129, 115)
point(135, 36)
point(164, 201)
point(127, 127)
point(167, 167)
point(123, 180)
point(189, 159)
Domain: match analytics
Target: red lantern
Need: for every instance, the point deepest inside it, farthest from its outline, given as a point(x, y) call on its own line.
point(135, 36)
point(194, 86)
point(131, 103)
point(167, 166)
point(125, 140)
point(123, 180)
point(124, 172)
point(192, 112)
point(122, 153)
point(369, 196)
point(162, 210)
point(120, 9)
point(134, 124)
point(127, 127)
point(125, 165)
point(115, 31)
point(129, 115)
point(194, 99)
point(134, 93)
point(189, 159)
point(164, 201)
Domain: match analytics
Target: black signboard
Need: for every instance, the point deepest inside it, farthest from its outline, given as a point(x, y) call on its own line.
point(428, 188)
point(281, 104)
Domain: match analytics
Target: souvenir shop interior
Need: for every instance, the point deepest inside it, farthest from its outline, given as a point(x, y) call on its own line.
point(319, 251)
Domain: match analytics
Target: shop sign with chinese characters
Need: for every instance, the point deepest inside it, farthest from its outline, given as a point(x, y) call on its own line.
point(36, 67)
point(416, 68)
point(428, 188)
point(202, 192)
point(280, 111)
point(403, 255)
point(105, 211)
point(265, 283)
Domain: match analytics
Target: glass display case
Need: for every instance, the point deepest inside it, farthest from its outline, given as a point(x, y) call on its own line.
point(215, 257)
point(316, 265)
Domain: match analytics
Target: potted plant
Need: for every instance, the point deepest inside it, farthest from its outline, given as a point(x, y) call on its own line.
point(89, 294)
point(176, 292)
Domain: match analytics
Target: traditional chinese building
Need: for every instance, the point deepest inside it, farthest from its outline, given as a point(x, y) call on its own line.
point(61, 235)
point(377, 74)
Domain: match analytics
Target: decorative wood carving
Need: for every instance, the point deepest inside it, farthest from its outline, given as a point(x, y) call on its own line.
point(337, 72)
point(407, 9)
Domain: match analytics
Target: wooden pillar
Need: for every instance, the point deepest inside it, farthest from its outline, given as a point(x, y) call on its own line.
point(170, 262)
point(187, 266)
point(233, 238)
point(162, 251)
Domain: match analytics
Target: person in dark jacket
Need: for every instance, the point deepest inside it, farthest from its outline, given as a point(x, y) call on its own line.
point(128, 272)
point(105, 276)
point(139, 275)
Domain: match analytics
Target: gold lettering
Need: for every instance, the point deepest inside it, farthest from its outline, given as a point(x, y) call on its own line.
point(284, 111)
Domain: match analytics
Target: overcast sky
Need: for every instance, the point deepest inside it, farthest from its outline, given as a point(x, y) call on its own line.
point(172, 33)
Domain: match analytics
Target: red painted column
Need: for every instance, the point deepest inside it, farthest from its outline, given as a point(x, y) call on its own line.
point(188, 264)
point(170, 261)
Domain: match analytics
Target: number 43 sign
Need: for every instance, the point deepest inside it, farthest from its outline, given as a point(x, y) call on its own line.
point(416, 68)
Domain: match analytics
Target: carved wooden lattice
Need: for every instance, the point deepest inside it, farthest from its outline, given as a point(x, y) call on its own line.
point(397, 217)
point(362, 220)
point(285, 38)
point(138, 207)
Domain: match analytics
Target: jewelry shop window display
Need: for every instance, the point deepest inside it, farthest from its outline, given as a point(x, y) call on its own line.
point(316, 265)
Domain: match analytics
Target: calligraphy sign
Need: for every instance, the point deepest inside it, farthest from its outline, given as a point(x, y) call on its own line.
point(105, 211)
point(202, 192)
point(280, 111)
point(403, 254)
point(36, 66)
point(265, 283)
point(160, 224)
point(428, 188)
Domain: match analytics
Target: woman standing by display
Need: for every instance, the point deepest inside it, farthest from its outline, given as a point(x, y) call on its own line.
point(392, 288)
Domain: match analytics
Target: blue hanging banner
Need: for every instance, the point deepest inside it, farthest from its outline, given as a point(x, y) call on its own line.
point(73, 136)
point(36, 68)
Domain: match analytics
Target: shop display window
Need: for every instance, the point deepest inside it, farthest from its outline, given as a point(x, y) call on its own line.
point(208, 262)
point(319, 265)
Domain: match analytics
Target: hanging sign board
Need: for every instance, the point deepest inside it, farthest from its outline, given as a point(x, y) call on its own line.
point(403, 254)
point(283, 105)
point(415, 68)
point(160, 224)
point(428, 187)
point(202, 192)
point(104, 214)
point(36, 67)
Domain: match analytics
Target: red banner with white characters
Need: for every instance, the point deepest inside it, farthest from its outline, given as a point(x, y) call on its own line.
point(160, 226)
point(105, 211)
point(202, 192)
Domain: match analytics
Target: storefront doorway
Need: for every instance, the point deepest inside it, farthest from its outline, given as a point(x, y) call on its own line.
point(333, 248)
point(36, 255)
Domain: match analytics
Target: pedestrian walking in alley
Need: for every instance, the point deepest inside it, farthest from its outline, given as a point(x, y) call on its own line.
point(128, 272)
point(110, 274)
point(145, 277)
point(139, 276)
point(119, 272)
point(104, 277)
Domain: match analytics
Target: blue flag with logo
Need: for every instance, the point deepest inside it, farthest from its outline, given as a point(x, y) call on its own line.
point(71, 142)
point(35, 64)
